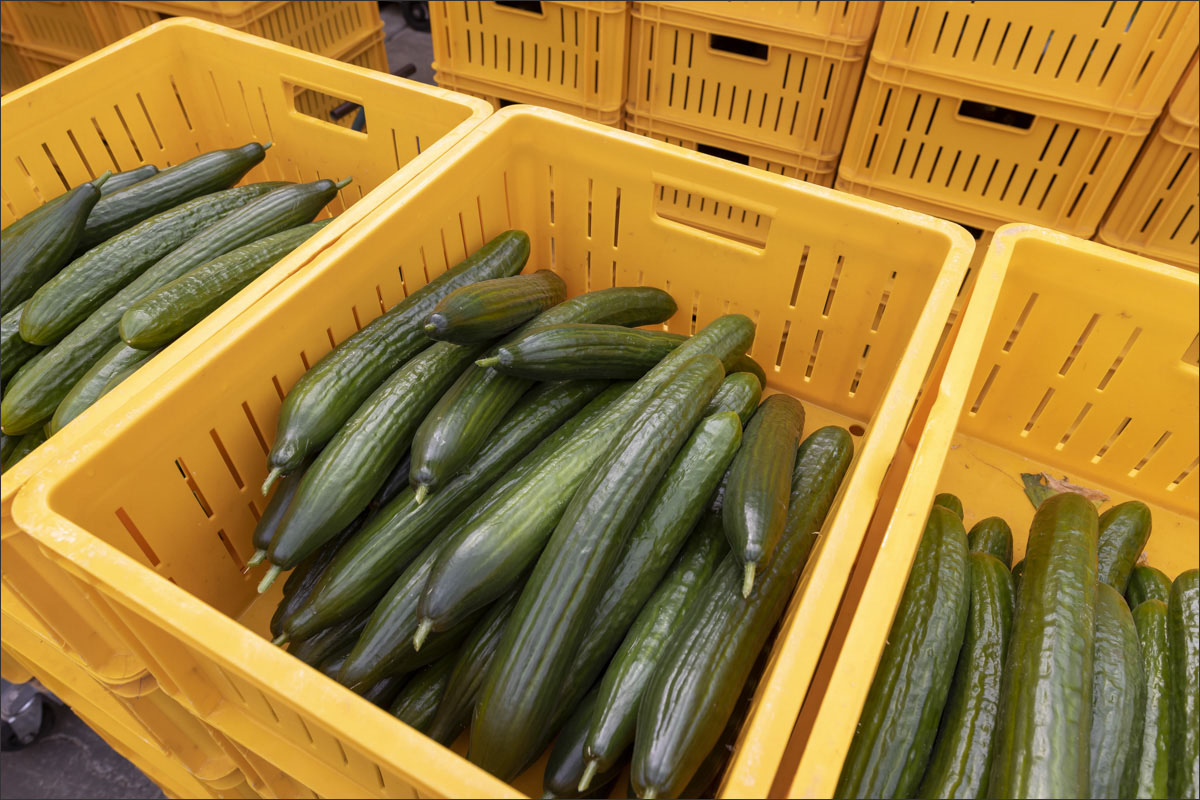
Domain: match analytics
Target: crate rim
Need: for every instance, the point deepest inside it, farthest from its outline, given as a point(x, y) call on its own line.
point(843, 47)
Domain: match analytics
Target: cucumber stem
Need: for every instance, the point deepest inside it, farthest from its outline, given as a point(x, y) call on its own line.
point(280, 640)
point(589, 772)
point(256, 559)
point(269, 578)
point(430, 329)
point(272, 476)
point(98, 182)
point(268, 145)
point(343, 183)
point(748, 580)
point(422, 491)
point(422, 633)
point(488, 362)
point(649, 795)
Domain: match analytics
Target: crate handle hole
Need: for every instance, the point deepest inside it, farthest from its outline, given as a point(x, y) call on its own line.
point(738, 47)
point(998, 115)
point(329, 109)
point(528, 6)
point(857, 430)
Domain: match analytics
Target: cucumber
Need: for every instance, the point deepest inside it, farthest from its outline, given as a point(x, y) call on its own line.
point(384, 693)
point(1183, 631)
point(947, 500)
point(483, 558)
point(7, 445)
point(333, 640)
point(582, 350)
point(272, 515)
point(204, 174)
point(418, 700)
point(362, 574)
point(756, 492)
point(739, 393)
point(696, 683)
point(1018, 571)
point(331, 665)
point(166, 314)
point(481, 398)
point(744, 363)
point(1118, 699)
point(1147, 583)
point(37, 246)
point(93, 383)
point(522, 687)
point(94, 277)
point(1042, 738)
point(118, 377)
point(397, 481)
point(129, 177)
point(302, 581)
point(565, 766)
point(610, 732)
point(899, 721)
point(962, 752)
point(325, 396)
point(14, 351)
point(992, 535)
point(1150, 620)
point(489, 309)
point(1124, 531)
point(25, 445)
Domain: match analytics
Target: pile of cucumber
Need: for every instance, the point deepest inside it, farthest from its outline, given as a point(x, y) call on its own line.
point(1075, 674)
point(511, 512)
point(98, 280)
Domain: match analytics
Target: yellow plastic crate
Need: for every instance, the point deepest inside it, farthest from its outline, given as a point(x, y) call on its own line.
point(1157, 213)
point(370, 53)
point(1124, 56)
point(850, 299)
point(1049, 373)
point(67, 30)
point(22, 64)
point(161, 96)
point(781, 75)
point(570, 52)
point(503, 96)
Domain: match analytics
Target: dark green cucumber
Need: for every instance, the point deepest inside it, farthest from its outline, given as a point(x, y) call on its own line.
point(349, 471)
point(118, 377)
point(370, 564)
point(418, 700)
point(302, 581)
point(895, 735)
point(756, 491)
point(992, 535)
point(325, 396)
point(1124, 531)
point(129, 177)
point(489, 309)
point(947, 500)
point(739, 393)
point(272, 515)
point(1147, 583)
point(696, 683)
point(14, 351)
point(484, 558)
point(1018, 571)
point(204, 174)
point(1150, 620)
point(1042, 738)
point(610, 732)
point(37, 246)
point(161, 317)
point(522, 689)
point(93, 383)
point(962, 752)
point(7, 445)
point(331, 665)
point(25, 445)
point(566, 765)
point(744, 363)
point(1183, 632)
point(385, 692)
point(323, 644)
point(582, 350)
point(397, 481)
point(94, 277)
point(1118, 699)
point(482, 397)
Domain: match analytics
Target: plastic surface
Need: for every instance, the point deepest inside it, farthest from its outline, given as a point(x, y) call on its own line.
point(1073, 359)
point(368, 53)
point(503, 96)
point(67, 30)
point(20, 64)
point(850, 298)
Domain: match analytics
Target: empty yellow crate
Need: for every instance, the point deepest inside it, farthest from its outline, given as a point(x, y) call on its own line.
point(1073, 359)
point(67, 30)
point(503, 96)
point(850, 298)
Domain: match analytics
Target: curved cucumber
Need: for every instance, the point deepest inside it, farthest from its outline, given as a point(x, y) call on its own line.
point(123, 180)
point(25, 445)
point(94, 382)
point(947, 500)
point(565, 768)
point(582, 350)
point(1150, 620)
point(1118, 699)
point(1124, 531)
point(1183, 630)
point(418, 700)
point(489, 309)
point(992, 535)
point(1147, 583)
point(14, 351)
point(739, 393)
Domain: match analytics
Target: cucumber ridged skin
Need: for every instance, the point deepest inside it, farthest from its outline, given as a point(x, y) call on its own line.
point(565, 766)
point(947, 500)
point(25, 445)
point(697, 680)
point(94, 383)
point(745, 363)
point(585, 350)
point(372, 562)
point(14, 351)
point(1147, 583)
point(123, 180)
point(161, 317)
point(538, 647)
point(757, 491)
point(1042, 738)
point(483, 559)
point(1183, 631)
point(482, 397)
point(1150, 620)
point(418, 700)
point(993, 536)
point(349, 471)
point(489, 309)
point(204, 174)
point(739, 393)
point(277, 506)
point(325, 396)
point(1118, 699)
point(961, 757)
point(895, 734)
point(120, 375)
point(93, 278)
point(323, 644)
point(1124, 531)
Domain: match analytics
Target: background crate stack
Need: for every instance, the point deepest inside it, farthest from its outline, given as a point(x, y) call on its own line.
point(766, 84)
point(993, 112)
point(569, 56)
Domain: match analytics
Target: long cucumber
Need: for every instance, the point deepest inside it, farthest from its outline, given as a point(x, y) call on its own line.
point(272, 515)
point(94, 382)
point(1183, 630)
point(490, 309)
point(1118, 699)
point(7, 445)
point(582, 350)
point(123, 180)
point(14, 350)
point(1124, 531)
point(301, 581)
point(25, 445)
point(323, 644)
point(992, 535)
point(417, 702)
point(1150, 619)
point(739, 393)
point(565, 767)
point(1147, 583)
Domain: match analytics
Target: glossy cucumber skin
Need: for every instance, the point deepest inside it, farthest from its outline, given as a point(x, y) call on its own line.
point(1042, 738)
point(25, 445)
point(123, 180)
point(1118, 699)
point(277, 506)
point(125, 372)
point(695, 685)
point(94, 382)
point(564, 767)
point(323, 644)
point(161, 317)
point(523, 686)
point(93, 278)
point(303, 579)
point(947, 500)
point(895, 734)
point(349, 471)
point(1183, 631)
point(739, 393)
point(585, 350)
point(1124, 531)
point(482, 397)
point(1147, 583)
point(745, 364)
point(489, 309)
point(325, 396)
point(758, 489)
point(1150, 620)
point(418, 700)
point(14, 351)
point(1018, 571)
point(992, 535)
point(206, 173)
point(370, 564)
point(396, 482)
point(481, 560)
